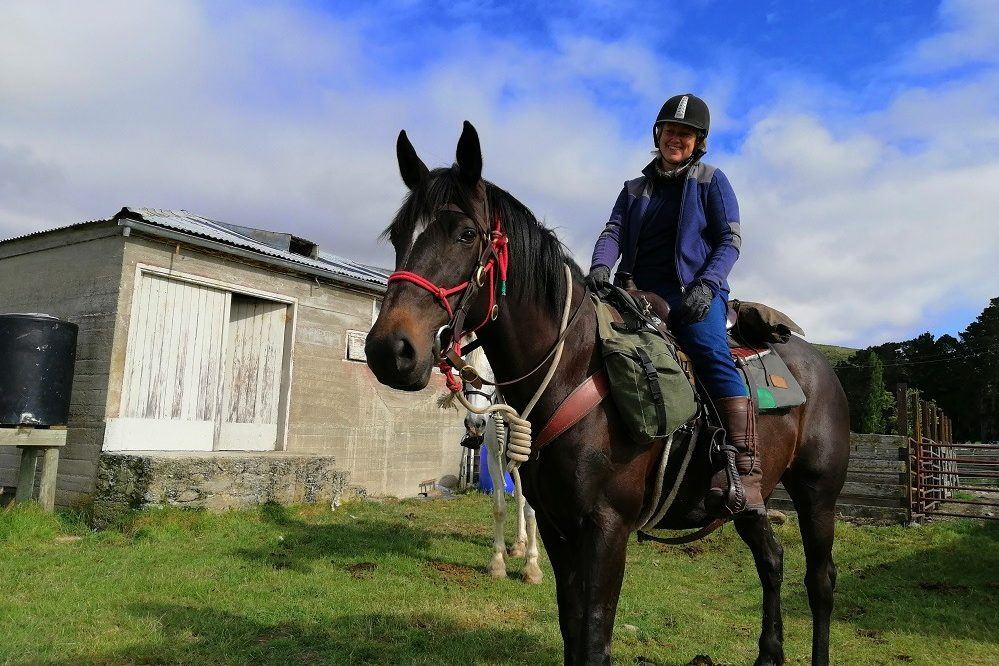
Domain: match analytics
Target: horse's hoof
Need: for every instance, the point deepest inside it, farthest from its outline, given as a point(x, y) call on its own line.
point(531, 574)
point(497, 567)
point(518, 549)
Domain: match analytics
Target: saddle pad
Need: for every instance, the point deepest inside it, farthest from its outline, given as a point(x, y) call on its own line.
point(768, 379)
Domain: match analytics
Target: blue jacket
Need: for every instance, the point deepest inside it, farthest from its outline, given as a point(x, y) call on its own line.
point(708, 236)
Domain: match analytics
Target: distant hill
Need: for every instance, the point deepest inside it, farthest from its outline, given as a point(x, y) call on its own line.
point(836, 354)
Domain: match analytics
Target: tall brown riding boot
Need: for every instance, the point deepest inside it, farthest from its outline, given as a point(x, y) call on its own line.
point(736, 487)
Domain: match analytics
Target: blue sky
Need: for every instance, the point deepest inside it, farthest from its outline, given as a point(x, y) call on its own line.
point(862, 138)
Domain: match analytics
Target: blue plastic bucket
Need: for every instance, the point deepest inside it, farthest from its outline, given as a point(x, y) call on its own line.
point(486, 481)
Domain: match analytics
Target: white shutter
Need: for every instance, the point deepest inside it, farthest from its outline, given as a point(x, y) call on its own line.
point(173, 368)
point(252, 385)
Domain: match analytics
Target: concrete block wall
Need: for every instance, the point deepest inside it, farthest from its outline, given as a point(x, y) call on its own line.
point(72, 274)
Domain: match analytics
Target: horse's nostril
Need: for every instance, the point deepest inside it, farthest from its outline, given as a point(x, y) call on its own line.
point(405, 353)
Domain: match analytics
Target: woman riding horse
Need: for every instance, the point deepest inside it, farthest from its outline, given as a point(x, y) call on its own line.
point(464, 246)
point(676, 229)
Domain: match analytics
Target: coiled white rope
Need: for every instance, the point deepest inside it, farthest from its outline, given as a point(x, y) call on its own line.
point(518, 450)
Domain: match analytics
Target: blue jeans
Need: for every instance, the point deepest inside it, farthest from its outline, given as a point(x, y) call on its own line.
point(706, 343)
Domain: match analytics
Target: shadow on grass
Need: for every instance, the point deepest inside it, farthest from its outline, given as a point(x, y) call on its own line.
point(200, 635)
point(303, 543)
point(948, 589)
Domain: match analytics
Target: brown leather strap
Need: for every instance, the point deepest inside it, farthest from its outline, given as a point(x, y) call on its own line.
point(583, 399)
point(683, 538)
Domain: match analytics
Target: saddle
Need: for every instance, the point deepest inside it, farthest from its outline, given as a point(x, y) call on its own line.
point(771, 384)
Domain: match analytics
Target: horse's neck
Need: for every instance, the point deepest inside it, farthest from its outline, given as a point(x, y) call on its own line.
point(523, 335)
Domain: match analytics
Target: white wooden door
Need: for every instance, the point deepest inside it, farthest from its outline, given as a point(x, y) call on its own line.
point(173, 368)
point(252, 378)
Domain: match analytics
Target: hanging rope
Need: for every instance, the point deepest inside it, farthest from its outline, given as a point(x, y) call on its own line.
point(518, 450)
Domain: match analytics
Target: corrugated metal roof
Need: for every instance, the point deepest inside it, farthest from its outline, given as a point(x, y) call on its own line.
point(189, 223)
point(46, 231)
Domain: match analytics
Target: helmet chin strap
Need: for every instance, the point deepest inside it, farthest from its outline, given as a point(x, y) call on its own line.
point(678, 169)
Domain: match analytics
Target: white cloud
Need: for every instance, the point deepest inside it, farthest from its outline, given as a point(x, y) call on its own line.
point(283, 118)
point(971, 35)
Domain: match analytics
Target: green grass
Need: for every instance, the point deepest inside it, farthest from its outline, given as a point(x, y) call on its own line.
point(836, 354)
point(403, 582)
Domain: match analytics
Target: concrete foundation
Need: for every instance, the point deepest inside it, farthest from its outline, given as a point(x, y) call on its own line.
point(214, 481)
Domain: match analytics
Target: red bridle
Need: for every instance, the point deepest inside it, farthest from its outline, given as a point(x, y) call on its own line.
point(495, 258)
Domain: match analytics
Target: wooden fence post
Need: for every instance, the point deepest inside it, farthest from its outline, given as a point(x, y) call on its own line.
point(902, 411)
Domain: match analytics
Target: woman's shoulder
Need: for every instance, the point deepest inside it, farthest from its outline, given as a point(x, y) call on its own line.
point(635, 186)
point(705, 173)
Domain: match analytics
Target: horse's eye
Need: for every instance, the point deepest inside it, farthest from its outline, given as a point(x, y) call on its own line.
point(467, 235)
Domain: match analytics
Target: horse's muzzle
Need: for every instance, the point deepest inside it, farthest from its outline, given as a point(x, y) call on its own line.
point(475, 425)
point(395, 361)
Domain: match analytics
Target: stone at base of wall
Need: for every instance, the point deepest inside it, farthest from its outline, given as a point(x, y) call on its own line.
point(215, 481)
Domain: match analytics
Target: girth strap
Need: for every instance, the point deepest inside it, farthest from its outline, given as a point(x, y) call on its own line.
point(583, 399)
point(683, 538)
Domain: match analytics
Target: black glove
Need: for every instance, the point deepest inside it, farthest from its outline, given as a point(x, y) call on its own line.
point(696, 303)
point(597, 278)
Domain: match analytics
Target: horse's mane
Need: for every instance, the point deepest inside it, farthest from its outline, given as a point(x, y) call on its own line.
point(537, 255)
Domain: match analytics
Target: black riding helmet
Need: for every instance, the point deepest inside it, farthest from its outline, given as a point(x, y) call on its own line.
point(686, 109)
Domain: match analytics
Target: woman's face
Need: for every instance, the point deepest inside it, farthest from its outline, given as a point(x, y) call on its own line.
point(676, 142)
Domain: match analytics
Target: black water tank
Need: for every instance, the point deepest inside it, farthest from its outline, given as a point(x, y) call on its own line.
point(37, 356)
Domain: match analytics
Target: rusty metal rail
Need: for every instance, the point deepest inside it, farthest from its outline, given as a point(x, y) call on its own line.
point(935, 476)
point(941, 476)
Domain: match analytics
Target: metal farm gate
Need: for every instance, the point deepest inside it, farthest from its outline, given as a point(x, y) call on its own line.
point(944, 478)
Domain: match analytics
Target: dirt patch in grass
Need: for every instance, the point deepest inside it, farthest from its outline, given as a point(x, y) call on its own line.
point(692, 551)
point(946, 588)
point(361, 570)
point(276, 633)
point(871, 635)
point(459, 574)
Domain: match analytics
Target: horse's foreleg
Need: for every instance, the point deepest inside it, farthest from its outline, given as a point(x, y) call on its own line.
point(769, 557)
point(520, 543)
point(532, 572)
point(601, 554)
point(497, 565)
point(568, 588)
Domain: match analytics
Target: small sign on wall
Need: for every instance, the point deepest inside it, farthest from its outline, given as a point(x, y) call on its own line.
point(355, 346)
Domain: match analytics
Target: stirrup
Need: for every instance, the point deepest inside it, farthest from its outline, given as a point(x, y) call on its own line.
point(727, 502)
point(732, 500)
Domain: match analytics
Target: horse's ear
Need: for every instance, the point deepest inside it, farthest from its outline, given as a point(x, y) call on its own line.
point(469, 156)
point(414, 171)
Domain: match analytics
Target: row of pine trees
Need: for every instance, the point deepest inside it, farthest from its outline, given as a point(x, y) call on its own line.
point(960, 374)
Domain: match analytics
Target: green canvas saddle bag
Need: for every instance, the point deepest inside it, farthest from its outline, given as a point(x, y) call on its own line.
point(647, 384)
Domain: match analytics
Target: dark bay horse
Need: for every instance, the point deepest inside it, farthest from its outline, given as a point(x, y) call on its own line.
point(591, 484)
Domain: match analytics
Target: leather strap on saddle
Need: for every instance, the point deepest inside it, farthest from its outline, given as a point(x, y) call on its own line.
point(583, 399)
